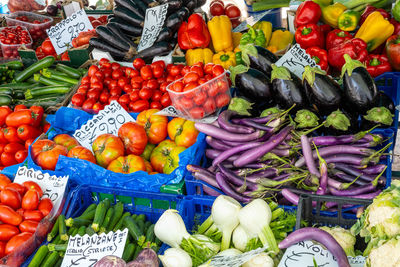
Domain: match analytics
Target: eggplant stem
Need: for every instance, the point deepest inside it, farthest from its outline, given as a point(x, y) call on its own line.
point(375, 181)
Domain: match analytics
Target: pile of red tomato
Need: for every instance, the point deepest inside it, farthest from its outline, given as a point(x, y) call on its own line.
point(136, 89)
point(47, 49)
point(11, 36)
point(37, 31)
point(22, 208)
point(19, 129)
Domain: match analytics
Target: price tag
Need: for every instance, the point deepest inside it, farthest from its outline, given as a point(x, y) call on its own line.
point(237, 260)
point(53, 187)
point(251, 21)
point(295, 60)
point(108, 120)
point(86, 250)
point(153, 24)
point(62, 33)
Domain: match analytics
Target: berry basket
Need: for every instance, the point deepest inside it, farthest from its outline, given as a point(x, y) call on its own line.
point(35, 23)
point(10, 51)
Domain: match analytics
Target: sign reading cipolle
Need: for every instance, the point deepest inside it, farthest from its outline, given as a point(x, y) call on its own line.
point(62, 34)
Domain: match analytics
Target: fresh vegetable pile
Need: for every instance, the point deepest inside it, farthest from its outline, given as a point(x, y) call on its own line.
point(100, 218)
point(38, 30)
point(230, 230)
point(11, 38)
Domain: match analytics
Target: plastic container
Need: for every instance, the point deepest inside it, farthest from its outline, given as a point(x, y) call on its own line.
point(10, 51)
point(37, 31)
point(82, 196)
point(215, 91)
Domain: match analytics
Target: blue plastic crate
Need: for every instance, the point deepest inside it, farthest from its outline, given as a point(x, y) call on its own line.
point(274, 16)
point(84, 195)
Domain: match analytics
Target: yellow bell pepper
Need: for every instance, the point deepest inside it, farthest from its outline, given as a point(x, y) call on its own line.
point(220, 28)
point(225, 59)
point(193, 56)
point(331, 13)
point(236, 36)
point(375, 30)
point(266, 28)
point(280, 40)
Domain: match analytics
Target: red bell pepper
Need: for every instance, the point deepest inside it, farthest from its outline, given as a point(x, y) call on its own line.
point(355, 48)
point(377, 65)
point(308, 12)
point(396, 25)
point(369, 9)
point(319, 55)
point(393, 51)
point(194, 33)
point(325, 29)
point(336, 37)
point(309, 35)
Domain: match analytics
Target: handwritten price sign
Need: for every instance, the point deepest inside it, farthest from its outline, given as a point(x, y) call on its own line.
point(53, 187)
point(62, 34)
point(87, 250)
point(153, 24)
point(109, 120)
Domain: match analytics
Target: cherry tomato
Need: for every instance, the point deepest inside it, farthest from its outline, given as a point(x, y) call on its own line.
point(45, 206)
point(113, 84)
point(138, 63)
point(232, 11)
point(189, 89)
point(127, 88)
point(165, 100)
point(146, 73)
point(35, 215)
point(197, 113)
point(217, 9)
point(213, 89)
point(139, 106)
point(99, 74)
point(107, 75)
point(48, 48)
point(92, 70)
point(199, 98)
point(217, 70)
point(13, 147)
point(113, 98)
point(170, 79)
point(78, 99)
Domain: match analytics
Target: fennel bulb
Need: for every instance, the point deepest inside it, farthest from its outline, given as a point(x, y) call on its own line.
point(261, 260)
point(255, 218)
point(227, 252)
point(240, 238)
point(224, 212)
point(170, 228)
point(175, 257)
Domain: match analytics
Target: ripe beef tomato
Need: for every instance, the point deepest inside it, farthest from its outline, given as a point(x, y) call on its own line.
point(106, 148)
point(45, 153)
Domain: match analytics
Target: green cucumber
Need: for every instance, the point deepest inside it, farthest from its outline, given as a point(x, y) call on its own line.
point(5, 100)
point(62, 228)
point(133, 228)
point(82, 230)
point(99, 216)
point(73, 73)
point(120, 223)
point(39, 256)
point(107, 219)
point(129, 251)
point(33, 93)
point(90, 231)
point(55, 76)
point(50, 261)
point(35, 67)
point(54, 230)
point(150, 236)
point(118, 211)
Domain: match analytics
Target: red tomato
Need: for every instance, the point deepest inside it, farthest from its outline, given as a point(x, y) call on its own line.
point(165, 100)
point(199, 98)
point(115, 66)
point(156, 105)
point(104, 62)
point(97, 107)
point(116, 91)
point(190, 77)
point(217, 70)
point(138, 63)
point(28, 226)
point(16, 241)
point(19, 107)
point(65, 56)
point(190, 89)
point(11, 134)
point(175, 70)
point(124, 99)
point(32, 185)
point(127, 88)
point(92, 70)
point(158, 71)
point(145, 93)
point(232, 11)
point(170, 79)
point(213, 89)
point(7, 231)
point(35, 215)
point(21, 155)
point(113, 97)
point(185, 70)
point(208, 68)
point(209, 106)
point(4, 111)
point(99, 75)
point(13, 147)
point(163, 87)
point(198, 70)
point(152, 84)
point(177, 86)
point(113, 84)
point(139, 106)
point(8, 159)
point(45, 206)
point(158, 63)
point(4, 181)
point(223, 87)
point(93, 94)
point(10, 197)
point(134, 95)
point(122, 82)
point(28, 143)
point(217, 9)
point(9, 216)
point(117, 74)
point(197, 113)
point(86, 79)
point(107, 75)
point(48, 48)
point(20, 188)
point(104, 97)
point(156, 96)
point(88, 104)
point(134, 137)
point(185, 103)
point(146, 73)
point(78, 99)
point(30, 201)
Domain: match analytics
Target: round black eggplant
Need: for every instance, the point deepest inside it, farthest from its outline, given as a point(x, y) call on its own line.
point(324, 94)
point(383, 100)
point(263, 61)
point(286, 93)
point(254, 85)
point(359, 90)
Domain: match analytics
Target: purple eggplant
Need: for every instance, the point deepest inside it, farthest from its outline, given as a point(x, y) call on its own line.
point(222, 134)
point(308, 156)
point(223, 121)
point(260, 58)
point(228, 189)
point(234, 151)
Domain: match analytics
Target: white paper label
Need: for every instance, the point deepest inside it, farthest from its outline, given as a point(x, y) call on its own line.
point(62, 33)
point(295, 60)
point(172, 112)
point(237, 260)
point(87, 250)
point(107, 121)
point(303, 254)
point(71, 8)
point(53, 187)
point(153, 24)
point(250, 21)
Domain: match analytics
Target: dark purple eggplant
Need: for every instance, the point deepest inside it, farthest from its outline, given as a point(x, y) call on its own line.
point(190, 4)
point(173, 6)
point(141, 5)
point(201, 3)
point(126, 27)
point(113, 40)
point(323, 93)
point(165, 35)
point(287, 89)
point(251, 84)
point(184, 13)
point(104, 46)
point(360, 89)
point(383, 100)
point(158, 49)
point(173, 22)
point(128, 4)
point(109, 17)
point(260, 58)
point(128, 16)
point(337, 123)
point(114, 28)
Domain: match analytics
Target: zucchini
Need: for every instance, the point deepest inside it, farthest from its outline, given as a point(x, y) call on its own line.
point(71, 72)
point(82, 71)
point(126, 27)
point(5, 100)
point(138, 249)
point(119, 225)
point(6, 91)
point(59, 262)
point(17, 85)
point(57, 240)
point(118, 211)
point(47, 81)
point(58, 77)
point(39, 256)
point(14, 65)
point(62, 228)
point(57, 247)
point(51, 260)
point(90, 231)
point(140, 224)
point(71, 230)
point(132, 7)
point(141, 217)
point(128, 16)
point(150, 236)
point(133, 228)
point(107, 203)
point(75, 232)
point(99, 216)
point(35, 67)
point(18, 94)
point(87, 211)
point(82, 230)
point(129, 251)
point(134, 216)
point(146, 226)
point(41, 91)
point(45, 102)
point(54, 231)
point(107, 219)
point(81, 220)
